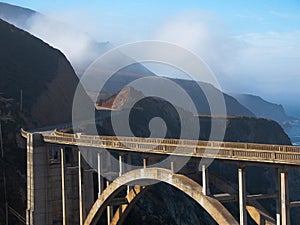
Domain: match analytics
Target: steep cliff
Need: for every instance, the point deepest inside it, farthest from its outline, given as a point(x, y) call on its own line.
point(42, 73)
point(47, 83)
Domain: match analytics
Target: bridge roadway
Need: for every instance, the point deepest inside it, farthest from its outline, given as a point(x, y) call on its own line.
point(264, 153)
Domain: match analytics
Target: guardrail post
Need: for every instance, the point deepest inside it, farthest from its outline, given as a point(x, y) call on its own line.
point(242, 196)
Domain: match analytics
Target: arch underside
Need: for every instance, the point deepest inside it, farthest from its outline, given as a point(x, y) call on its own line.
point(255, 210)
point(142, 177)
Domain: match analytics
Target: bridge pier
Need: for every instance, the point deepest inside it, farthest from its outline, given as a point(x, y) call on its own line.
point(277, 186)
point(63, 192)
point(242, 196)
point(100, 180)
point(172, 167)
point(128, 168)
point(80, 189)
point(205, 184)
point(121, 161)
point(145, 162)
point(284, 197)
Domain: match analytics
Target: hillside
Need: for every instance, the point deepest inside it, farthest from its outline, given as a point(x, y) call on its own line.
point(40, 71)
point(129, 95)
point(48, 82)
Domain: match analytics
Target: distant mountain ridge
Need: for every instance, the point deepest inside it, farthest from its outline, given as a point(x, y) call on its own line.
point(264, 109)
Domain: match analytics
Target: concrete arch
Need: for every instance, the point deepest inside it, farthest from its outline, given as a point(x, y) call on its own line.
point(216, 210)
point(256, 211)
point(132, 197)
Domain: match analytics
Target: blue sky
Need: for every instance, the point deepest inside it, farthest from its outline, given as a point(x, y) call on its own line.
point(241, 16)
point(252, 46)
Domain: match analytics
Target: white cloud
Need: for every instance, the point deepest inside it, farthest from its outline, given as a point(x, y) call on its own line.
point(272, 60)
point(77, 45)
point(266, 64)
point(205, 35)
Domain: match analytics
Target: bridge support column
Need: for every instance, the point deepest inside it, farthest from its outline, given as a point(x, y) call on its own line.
point(63, 186)
point(205, 185)
point(100, 180)
point(121, 160)
point(145, 162)
point(172, 167)
point(242, 196)
point(284, 198)
point(128, 169)
point(277, 185)
point(80, 189)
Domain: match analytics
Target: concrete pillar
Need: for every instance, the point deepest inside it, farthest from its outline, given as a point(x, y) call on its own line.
point(100, 181)
point(172, 167)
point(128, 169)
point(29, 179)
point(121, 160)
point(284, 198)
point(277, 186)
point(145, 163)
point(80, 189)
point(205, 185)
point(242, 196)
point(63, 194)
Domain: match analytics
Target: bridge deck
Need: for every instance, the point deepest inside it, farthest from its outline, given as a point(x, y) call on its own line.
point(265, 153)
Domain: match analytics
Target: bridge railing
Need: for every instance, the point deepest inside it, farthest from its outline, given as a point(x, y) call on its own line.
point(184, 142)
point(226, 150)
point(24, 133)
